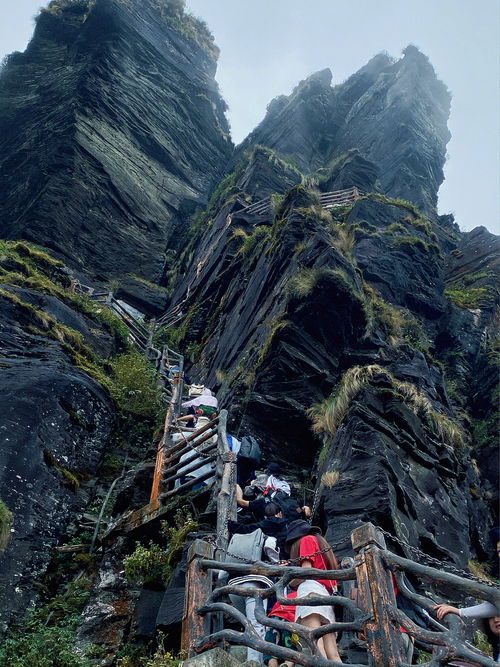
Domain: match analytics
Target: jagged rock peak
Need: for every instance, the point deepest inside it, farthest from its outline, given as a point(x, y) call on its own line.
point(134, 135)
point(394, 112)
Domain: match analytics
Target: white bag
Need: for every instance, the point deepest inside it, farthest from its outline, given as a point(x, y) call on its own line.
point(195, 390)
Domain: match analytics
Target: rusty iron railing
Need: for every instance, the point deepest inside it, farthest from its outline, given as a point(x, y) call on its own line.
point(375, 615)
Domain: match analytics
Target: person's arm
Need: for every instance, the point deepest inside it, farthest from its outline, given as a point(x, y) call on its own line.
point(240, 501)
point(295, 583)
point(483, 610)
point(443, 609)
point(240, 528)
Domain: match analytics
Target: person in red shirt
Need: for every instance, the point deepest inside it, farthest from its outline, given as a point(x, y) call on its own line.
point(281, 637)
point(305, 541)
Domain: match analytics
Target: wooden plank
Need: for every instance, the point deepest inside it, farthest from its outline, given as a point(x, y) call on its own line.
point(377, 595)
point(188, 446)
point(186, 486)
point(199, 463)
point(198, 588)
point(171, 469)
point(226, 499)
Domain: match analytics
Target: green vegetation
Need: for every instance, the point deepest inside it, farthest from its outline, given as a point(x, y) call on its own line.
point(328, 415)
point(148, 283)
point(485, 431)
point(470, 278)
point(401, 203)
point(133, 385)
point(130, 656)
point(24, 265)
point(467, 297)
point(46, 637)
point(6, 518)
point(147, 565)
point(344, 239)
point(176, 534)
point(481, 642)
point(174, 14)
point(408, 242)
point(251, 241)
point(153, 565)
point(304, 199)
point(70, 479)
point(57, 7)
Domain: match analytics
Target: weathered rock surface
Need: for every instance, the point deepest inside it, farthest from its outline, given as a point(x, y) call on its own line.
point(55, 419)
point(393, 112)
point(112, 129)
point(277, 316)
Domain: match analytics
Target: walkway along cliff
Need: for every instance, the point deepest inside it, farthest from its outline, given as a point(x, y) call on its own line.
point(305, 276)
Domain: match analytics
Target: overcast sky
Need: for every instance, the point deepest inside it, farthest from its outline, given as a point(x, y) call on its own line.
point(267, 46)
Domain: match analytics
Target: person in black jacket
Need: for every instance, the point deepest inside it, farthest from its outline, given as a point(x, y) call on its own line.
point(273, 525)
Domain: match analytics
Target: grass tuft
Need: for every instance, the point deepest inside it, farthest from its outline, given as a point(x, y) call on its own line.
point(328, 415)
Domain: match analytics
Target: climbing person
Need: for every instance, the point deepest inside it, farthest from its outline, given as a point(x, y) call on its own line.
point(252, 546)
point(483, 610)
point(275, 482)
point(279, 490)
point(282, 612)
point(257, 504)
point(306, 542)
point(204, 400)
point(202, 420)
point(249, 460)
point(491, 628)
point(273, 524)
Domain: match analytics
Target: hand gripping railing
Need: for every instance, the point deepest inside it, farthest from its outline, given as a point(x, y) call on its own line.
point(376, 615)
point(448, 639)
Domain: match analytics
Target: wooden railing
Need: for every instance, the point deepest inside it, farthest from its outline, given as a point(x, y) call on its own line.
point(375, 616)
point(327, 200)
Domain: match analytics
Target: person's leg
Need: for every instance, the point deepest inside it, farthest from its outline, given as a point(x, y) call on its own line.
point(408, 644)
point(311, 622)
point(252, 654)
point(330, 645)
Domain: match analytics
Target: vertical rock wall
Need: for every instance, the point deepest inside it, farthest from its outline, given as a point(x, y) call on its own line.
point(112, 129)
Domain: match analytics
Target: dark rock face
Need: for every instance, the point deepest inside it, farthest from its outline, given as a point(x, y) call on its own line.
point(55, 419)
point(112, 129)
point(279, 316)
point(393, 112)
point(391, 261)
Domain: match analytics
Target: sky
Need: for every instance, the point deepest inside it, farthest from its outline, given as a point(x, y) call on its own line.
point(268, 46)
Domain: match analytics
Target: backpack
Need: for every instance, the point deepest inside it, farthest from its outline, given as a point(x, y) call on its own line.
point(208, 410)
point(250, 451)
point(247, 546)
point(289, 505)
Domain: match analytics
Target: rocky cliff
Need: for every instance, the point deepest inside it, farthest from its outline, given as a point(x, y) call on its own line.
point(112, 130)
point(394, 112)
point(358, 343)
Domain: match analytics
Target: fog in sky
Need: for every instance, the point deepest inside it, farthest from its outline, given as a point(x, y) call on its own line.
point(268, 46)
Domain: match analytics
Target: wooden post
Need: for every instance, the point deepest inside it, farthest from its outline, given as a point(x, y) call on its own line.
point(198, 589)
point(226, 472)
point(376, 593)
